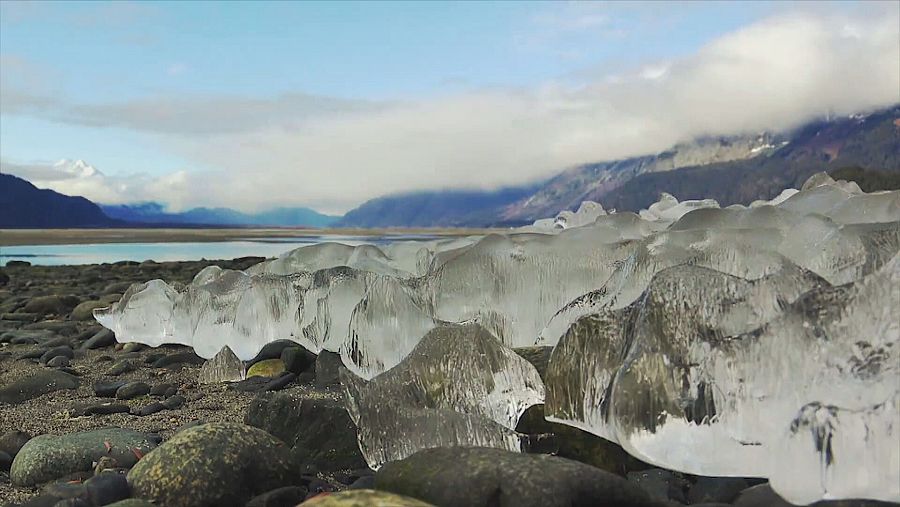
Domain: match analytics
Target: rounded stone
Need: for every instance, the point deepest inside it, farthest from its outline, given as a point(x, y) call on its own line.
point(216, 464)
point(364, 498)
point(267, 368)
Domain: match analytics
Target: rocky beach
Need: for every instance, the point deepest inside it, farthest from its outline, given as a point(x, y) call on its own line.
point(88, 421)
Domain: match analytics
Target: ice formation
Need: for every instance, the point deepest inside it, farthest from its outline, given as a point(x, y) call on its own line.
point(752, 340)
point(458, 386)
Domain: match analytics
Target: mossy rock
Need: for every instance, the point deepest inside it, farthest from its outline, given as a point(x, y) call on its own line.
point(216, 464)
point(364, 498)
point(267, 368)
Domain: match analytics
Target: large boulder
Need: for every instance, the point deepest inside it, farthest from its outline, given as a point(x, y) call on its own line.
point(217, 464)
point(318, 430)
point(42, 382)
point(48, 457)
point(480, 476)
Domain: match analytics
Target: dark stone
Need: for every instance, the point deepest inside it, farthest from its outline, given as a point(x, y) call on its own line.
point(288, 496)
point(99, 409)
point(17, 264)
point(250, 385)
point(173, 402)
point(539, 357)
point(4, 278)
point(218, 464)
point(163, 390)
point(762, 495)
point(56, 326)
point(43, 500)
point(132, 502)
point(64, 490)
point(328, 365)
point(365, 482)
point(58, 362)
point(51, 305)
point(85, 311)
point(298, 359)
point(280, 382)
point(132, 390)
point(108, 389)
point(116, 288)
point(484, 476)
point(34, 354)
point(319, 431)
point(43, 382)
point(120, 367)
point(5, 461)
point(73, 502)
point(64, 350)
point(20, 316)
point(573, 443)
point(151, 409)
point(48, 457)
point(179, 358)
point(716, 489)
point(104, 338)
point(271, 350)
point(58, 342)
point(12, 441)
point(107, 488)
point(661, 484)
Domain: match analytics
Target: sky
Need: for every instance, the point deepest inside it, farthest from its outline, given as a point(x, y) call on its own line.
point(257, 105)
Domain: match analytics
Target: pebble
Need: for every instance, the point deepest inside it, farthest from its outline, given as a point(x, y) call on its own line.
point(104, 338)
point(12, 441)
point(132, 390)
point(121, 367)
point(164, 389)
point(107, 488)
point(43, 382)
point(108, 389)
point(58, 361)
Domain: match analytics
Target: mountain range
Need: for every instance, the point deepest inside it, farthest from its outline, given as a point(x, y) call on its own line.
point(736, 169)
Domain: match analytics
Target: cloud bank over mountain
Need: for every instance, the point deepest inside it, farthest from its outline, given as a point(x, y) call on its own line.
point(331, 154)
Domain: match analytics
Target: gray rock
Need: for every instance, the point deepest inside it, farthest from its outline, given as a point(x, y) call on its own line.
point(484, 476)
point(217, 464)
point(116, 288)
point(132, 390)
point(225, 366)
point(164, 389)
point(99, 409)
point(20, 316)
point(57, 326)
point(173, 402)
point(64, 350)
point(661, 484)
point(328, 365)
point(178, 359)
point(51, 305)
point(716, 489)
point(272, 350)
point(5, 461)
point(25, 337)
point(43, 382)
point(319, 431)
point(132, 502)
point(48, 457)
point(104, 338)
point(85, 311)
point(288, 496)
point(107, 488)
point(58, 362)
point(120, 367)
point(108, 389)
point(150, 409)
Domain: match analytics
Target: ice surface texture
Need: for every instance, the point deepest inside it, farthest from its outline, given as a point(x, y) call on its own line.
point(752, 340)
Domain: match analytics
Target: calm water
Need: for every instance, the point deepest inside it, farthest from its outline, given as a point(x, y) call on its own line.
point(51, 255)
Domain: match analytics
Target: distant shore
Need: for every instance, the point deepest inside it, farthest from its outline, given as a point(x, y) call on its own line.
point(18, 237)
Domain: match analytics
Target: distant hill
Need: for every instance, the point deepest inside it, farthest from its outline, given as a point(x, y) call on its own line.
point(445, 208)
point(154, 213)
point(22, 205)
point(867, 142)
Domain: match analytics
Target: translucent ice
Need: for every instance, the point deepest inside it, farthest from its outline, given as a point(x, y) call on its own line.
point(458, 386)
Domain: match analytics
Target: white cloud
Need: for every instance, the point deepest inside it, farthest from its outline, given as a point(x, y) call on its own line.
point(333, 154)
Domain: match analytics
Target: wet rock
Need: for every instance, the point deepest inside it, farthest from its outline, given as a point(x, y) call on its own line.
point(132, 390)
point(150, 409)
point(173, 402)
point(266, 368)
point(298, 359)
point(319, 431)
point(104, 338)
point(43, 382)
point(483, 476)
point(165, 390)
point(48, 457)
point(225, 366)
point(51, 305)
point(250, 385)
point(108, 389)
point(365, 498)
point(272, 350)
point(217, 464)
point(99, 409)
point(288, 496)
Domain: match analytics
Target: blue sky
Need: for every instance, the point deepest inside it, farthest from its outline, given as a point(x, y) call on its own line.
point(162, 89)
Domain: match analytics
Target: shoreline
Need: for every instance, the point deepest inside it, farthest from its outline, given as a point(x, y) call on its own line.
point(28, 237)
